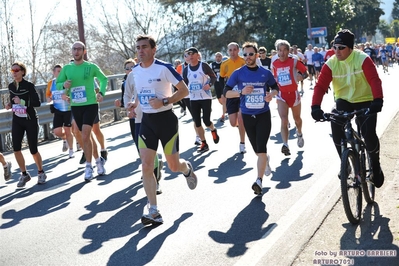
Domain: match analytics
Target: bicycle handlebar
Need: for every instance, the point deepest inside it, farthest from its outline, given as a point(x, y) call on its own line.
point(345, 115)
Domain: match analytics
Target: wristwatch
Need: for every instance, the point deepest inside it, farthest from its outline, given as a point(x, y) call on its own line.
point(165, 101)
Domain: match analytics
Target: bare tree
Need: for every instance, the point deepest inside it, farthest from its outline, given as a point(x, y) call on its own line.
point(7, 48)
point(121, 24)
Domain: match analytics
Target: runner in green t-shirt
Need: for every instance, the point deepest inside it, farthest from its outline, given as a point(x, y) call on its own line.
point(77, 78)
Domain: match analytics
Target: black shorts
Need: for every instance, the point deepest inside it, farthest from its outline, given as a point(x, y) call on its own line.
point(219, 86)
point(164, 127)
point(85, 114)
point(232, 105)
point(20, 125)
point(311, 70)
point(206, 107)
point(97, 119)
point(258, 129)
point(62, 119)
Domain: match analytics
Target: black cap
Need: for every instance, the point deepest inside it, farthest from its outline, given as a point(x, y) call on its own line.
point(191, 50)
point(345, 37)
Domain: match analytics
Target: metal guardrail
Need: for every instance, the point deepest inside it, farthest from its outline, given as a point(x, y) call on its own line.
point(46, 117)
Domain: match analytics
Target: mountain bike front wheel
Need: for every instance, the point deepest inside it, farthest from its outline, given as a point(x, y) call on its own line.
point(350, 187)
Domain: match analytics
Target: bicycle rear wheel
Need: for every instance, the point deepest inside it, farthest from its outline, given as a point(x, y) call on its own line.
point(367, 186)
point(350, 187)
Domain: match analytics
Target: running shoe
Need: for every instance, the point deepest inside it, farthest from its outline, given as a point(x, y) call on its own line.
point(300, 140)
point(159, 190)
point(285, 150)
point(41, 178)
point(159, 168)
point(153, 217)
point(71, 154)
point(7, 171)
point(197, 141)
point(191, 178)
point(204, 147)
point(215, 136)
point(82, 159)
point(268, 170)
point(100, 166)
point(242, 148)
point(88, 173)
point(221, 120)
point(257, 186)
point(23, 179)
point(64, 146)
point(104, 154)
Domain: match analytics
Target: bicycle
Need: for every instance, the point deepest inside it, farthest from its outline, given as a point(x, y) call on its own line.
point(356, 168)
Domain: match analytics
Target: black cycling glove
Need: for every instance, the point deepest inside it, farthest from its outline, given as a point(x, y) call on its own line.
point(317, 113)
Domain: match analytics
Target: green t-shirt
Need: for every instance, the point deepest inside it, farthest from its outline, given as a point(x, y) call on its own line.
point(82, 90)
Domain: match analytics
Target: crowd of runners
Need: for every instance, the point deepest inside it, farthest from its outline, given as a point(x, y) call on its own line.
point(244, 85)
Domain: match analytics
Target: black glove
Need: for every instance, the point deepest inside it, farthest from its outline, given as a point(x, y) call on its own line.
point(376, 106)
point(317, 113)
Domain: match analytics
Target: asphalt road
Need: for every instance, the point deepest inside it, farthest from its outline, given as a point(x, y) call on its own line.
point(70, 222)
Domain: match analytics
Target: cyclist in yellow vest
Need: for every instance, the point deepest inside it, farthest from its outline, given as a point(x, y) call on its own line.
point(356, 85)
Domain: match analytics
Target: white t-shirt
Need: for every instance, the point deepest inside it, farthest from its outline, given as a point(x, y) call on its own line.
point(308, 56)
point(154, 81)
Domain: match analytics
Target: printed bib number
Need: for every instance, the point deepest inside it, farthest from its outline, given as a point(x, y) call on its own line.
point(144, 96)
point(57, 95)
point(19, 110)
point(284, 78)
point(195, 87)
point(78, 94)
point(255, 100)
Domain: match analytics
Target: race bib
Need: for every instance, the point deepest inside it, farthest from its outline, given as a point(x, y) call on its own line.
point(284, 78)
point(57, 96)
point(78, 94)
point(195, 86)
point(19, 110)
point(144, 96)
point(316, 63)
point(255, 100)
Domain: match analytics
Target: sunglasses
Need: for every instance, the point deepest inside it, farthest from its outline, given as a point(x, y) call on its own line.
point(128, 68)
point(248, 54)
point(342, 47)
point(15, 70)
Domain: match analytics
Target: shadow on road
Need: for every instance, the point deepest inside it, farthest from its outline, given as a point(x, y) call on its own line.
point(43, 207)
point(286, 173)
point(233, 166)
point(371, 234)
point(129, 254)
point(246, 227)
point(113, 202)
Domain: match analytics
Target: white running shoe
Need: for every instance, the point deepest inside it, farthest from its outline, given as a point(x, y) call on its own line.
point(268, 170)
point(197, 141)
point(153, 217)
point(257, 186)
point(7, 171)
point(300, 140)
point(88, 173)
point(41, 178)
point(64, 146)
point(191, 178)
point(100, 166)
point(23, 179)
point(242, 148)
